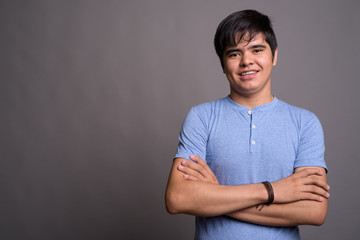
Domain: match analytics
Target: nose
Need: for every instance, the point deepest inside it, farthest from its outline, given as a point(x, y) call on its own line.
point(246, 60)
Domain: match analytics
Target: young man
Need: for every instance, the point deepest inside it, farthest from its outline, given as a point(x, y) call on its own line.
point(257, 167)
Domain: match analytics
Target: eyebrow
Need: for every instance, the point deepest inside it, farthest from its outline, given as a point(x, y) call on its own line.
point(258, 46)
point(238, 50)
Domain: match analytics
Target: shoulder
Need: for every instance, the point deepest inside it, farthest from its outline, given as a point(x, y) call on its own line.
point(205, 114)
point(208, 108)
point(300, 115)
point(304, 121)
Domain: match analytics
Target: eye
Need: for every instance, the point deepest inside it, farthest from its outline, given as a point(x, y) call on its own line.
point(257, 50)
point(232, 55)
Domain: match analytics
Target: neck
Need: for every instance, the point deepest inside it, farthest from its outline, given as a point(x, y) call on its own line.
point(251, 101)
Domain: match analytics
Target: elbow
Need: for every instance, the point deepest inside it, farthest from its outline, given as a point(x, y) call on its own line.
point(319, 219)
point(172, 203)
point(314, 214)
point(318, 216)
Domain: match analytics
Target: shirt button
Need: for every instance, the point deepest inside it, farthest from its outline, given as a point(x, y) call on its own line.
point(253, 142)
point(249, 112)
point(253, 126)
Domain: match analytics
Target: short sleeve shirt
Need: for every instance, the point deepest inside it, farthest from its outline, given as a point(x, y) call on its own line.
point(244, 146)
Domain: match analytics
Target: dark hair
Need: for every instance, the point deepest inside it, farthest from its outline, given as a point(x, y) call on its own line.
point(233, 28)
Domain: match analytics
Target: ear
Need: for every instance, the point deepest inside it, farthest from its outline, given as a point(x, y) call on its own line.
point(275, 57)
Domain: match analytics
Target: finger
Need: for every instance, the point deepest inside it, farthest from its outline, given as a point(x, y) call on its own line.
point(202, 163)
point(197, 159)
point(195, 167)
point(189, 177)
point(316, 190)
point(310, 171)
point(190, 172)
point(311, 196)
point(315, 180)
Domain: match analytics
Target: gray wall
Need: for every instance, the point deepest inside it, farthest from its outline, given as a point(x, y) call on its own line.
point(93, 94)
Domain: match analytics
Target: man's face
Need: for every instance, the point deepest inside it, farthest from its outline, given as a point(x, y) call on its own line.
point(248, 66)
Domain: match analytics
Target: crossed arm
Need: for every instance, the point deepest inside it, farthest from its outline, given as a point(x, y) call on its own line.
point(300, 198)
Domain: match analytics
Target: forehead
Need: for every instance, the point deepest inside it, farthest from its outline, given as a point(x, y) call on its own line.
point(247, 39)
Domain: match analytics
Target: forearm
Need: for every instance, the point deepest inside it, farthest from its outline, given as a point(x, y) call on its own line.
point(192, 190)
point(207, 199)
point(303, 212)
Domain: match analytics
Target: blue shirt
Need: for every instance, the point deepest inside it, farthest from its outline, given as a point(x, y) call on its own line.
point(244, 146)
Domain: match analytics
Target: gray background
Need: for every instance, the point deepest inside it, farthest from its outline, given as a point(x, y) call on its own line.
point(93, 94)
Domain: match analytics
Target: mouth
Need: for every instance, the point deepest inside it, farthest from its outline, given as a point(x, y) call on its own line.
point(248, 73)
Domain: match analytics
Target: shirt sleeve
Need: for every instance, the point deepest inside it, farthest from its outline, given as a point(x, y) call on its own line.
point(311, 145)
point(193, 136)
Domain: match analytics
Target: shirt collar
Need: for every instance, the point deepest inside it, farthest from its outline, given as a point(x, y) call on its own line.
point(259, 108)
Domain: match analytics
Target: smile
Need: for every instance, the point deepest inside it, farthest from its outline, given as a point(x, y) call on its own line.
point(247, 73)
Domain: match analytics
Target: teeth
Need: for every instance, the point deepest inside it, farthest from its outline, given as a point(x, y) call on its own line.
point(247, 73)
